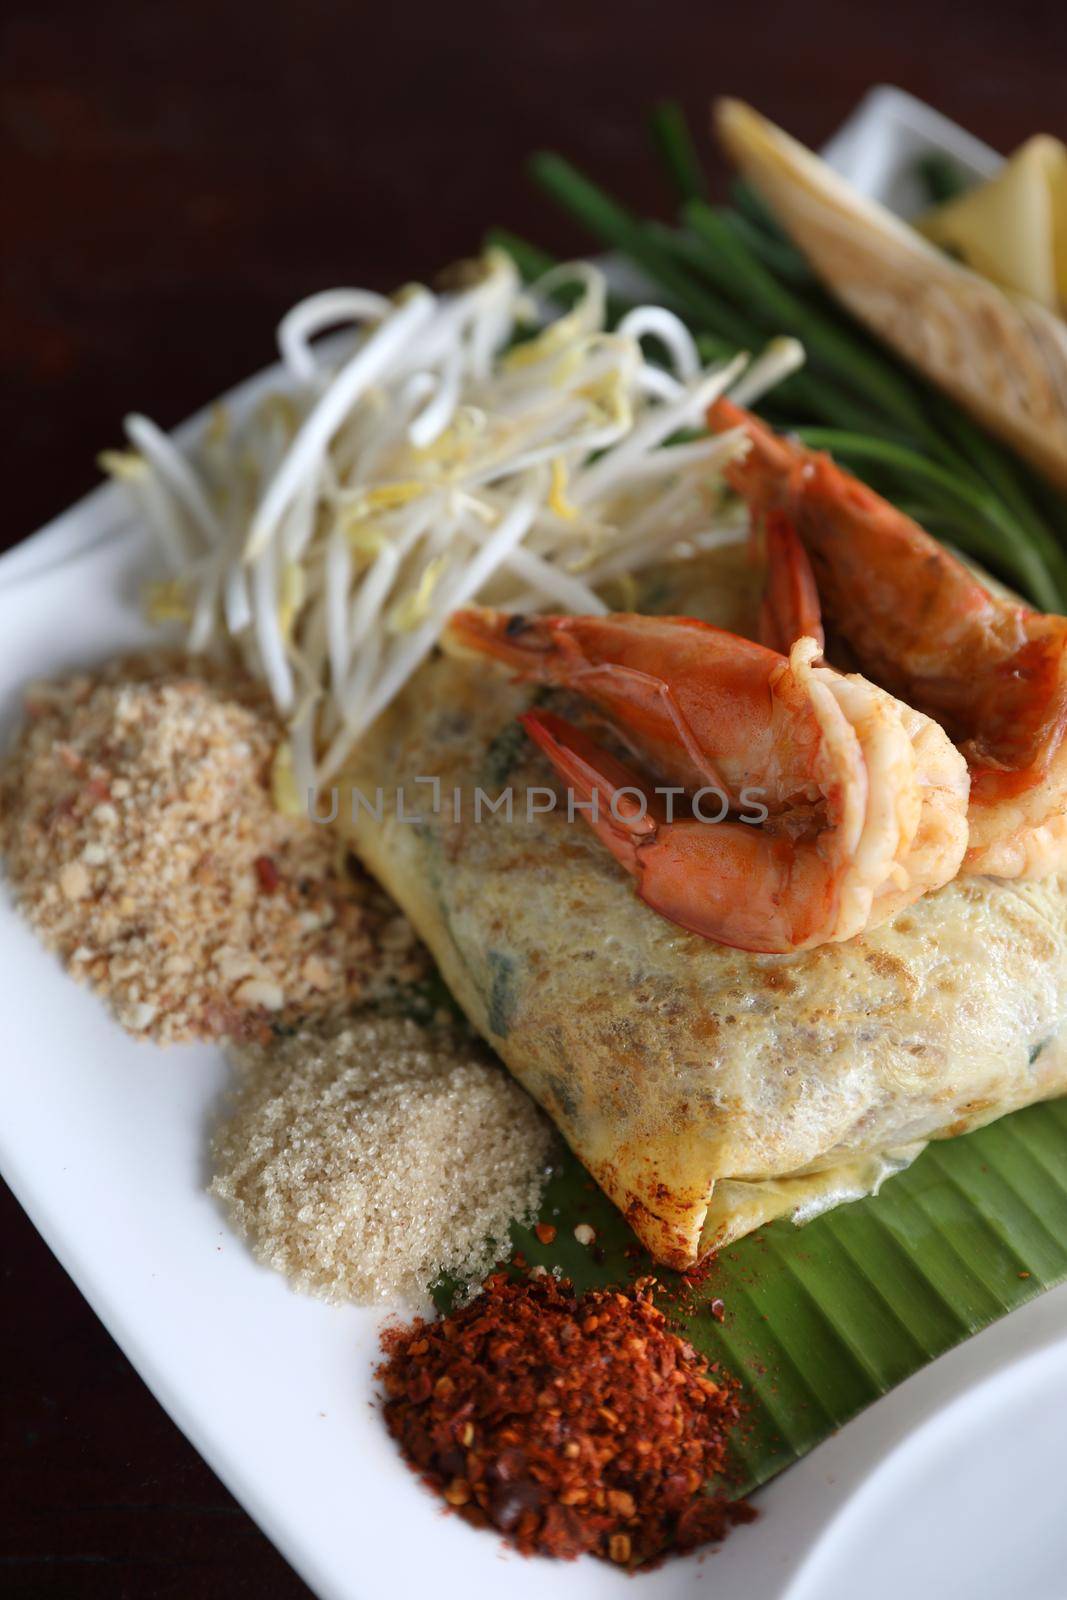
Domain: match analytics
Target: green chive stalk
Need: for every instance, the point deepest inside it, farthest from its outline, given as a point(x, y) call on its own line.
point(738, 281)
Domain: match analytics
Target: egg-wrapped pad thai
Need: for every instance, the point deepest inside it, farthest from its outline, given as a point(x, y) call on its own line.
point(707, 1088)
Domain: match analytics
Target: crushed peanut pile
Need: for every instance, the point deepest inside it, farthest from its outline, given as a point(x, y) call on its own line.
point(143, 845)
point(364, 1160)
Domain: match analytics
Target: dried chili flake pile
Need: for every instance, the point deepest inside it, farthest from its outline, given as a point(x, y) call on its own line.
point(569, 1423)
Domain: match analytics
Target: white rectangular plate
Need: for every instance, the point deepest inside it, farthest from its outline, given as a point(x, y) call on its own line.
point(103, 1141)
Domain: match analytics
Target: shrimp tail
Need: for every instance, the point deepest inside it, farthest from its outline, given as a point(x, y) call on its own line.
point(611, 796)
point(696, 874)
point(790, 609)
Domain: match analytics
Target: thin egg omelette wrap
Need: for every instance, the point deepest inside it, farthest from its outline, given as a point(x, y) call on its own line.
point(707, 1090)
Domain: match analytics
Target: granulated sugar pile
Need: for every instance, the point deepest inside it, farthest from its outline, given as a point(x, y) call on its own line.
point(143, 844)
point(364, 1163)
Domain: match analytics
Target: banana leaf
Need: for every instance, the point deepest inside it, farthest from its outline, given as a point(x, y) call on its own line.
point(819, 1321)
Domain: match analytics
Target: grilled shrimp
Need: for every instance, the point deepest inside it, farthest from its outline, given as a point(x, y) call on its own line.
point(863, 800)
point(991, 670)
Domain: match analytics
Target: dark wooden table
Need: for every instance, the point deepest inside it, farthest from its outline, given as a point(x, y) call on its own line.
point(174, 176)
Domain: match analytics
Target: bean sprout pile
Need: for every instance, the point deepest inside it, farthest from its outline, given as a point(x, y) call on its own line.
point(450, 447)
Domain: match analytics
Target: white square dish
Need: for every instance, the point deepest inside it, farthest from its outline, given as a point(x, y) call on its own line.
point(103, 1142)
point(878, 147)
